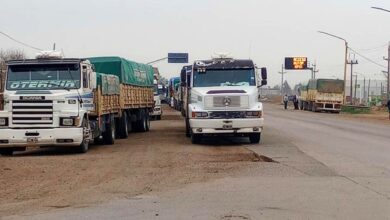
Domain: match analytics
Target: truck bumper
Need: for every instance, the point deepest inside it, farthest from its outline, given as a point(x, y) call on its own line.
point(41, 137)
point(226, 126)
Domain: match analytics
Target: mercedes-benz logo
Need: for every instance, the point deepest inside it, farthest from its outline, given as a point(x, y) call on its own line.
point(227, 101)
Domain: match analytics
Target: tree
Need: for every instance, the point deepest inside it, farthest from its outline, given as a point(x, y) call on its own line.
point(5, 55)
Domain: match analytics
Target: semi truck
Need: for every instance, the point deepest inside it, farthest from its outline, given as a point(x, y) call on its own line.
point(52, 101)
point(322, 95)
point(222, 98)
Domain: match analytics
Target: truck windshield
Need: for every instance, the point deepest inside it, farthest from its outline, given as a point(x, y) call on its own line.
point(331, 86)
point(236, 77)
point(43, 77)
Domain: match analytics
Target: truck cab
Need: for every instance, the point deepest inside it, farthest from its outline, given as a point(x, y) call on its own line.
point(222, 99)
point(46, 103)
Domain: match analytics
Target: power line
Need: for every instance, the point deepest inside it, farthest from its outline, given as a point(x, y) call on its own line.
point(374, 48)
point(368, 59)
point(19, 42)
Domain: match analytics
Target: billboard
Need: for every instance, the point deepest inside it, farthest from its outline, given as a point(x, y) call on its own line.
point(295, 63)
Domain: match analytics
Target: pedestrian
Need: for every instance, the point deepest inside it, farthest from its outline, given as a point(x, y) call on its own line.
point(388, 107)
point(295, 100)
point(285, 101)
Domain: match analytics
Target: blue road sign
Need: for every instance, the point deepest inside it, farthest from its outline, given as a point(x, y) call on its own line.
point(177, 57)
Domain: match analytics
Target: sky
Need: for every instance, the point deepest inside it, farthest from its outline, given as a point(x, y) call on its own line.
point(266, 31)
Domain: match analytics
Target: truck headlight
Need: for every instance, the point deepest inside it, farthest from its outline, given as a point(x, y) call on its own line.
point(67, 121)
point(254, 114)
point(3, 121)
point(200, 114)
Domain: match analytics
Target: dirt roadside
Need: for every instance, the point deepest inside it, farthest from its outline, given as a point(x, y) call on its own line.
point(160, 160)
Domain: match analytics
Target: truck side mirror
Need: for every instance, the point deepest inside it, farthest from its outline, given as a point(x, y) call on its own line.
point(264, 73)
point(93, 80)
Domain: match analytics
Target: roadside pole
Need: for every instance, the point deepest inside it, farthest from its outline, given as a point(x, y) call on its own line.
point(354, 95)
point(281, 85)
point(351, 62)
point(368, 92)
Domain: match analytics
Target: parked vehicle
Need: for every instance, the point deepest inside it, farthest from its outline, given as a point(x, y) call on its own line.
point(222, 99)
point(157, 110)
point(322, 95)
point(55, 101)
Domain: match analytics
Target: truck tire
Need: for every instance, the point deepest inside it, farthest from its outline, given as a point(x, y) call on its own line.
point(122, 126)
point(84, 146)
point(6, 151)
point(313, 107)
point(188, 134)
point(158, 117)
point(255, 138)
point(147, 119)
point(109, 134)
point(196, 138)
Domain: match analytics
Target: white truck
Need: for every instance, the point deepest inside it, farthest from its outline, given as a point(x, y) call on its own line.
point(222, 99)
point(52, 101)
point(157, 110)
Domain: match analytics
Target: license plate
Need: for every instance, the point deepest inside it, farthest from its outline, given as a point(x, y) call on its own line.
point(32, 140)
point(227, 127)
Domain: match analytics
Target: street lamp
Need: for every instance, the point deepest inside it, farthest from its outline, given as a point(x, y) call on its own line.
point(388, 59)
point(382, 9)
point(345, 62)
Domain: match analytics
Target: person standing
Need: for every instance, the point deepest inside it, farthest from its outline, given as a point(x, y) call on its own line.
point(285, 101)
point(295, 100)
point(388, 107)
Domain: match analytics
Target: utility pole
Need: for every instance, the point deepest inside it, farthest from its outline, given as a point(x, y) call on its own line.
point(354, 96)
point(364, 90)
point(314, 70)
point(388, 72)
point(368, 92)
point(351, 62)
point(281, 85)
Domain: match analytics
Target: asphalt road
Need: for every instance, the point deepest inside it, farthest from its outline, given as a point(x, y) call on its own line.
point(326, 167)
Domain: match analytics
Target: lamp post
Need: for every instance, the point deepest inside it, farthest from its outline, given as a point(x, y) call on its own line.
point(345, 61)
point(388, 58)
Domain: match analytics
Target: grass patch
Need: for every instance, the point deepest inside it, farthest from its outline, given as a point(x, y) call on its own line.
point(350, 109)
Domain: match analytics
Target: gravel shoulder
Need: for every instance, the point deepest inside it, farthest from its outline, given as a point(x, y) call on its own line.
point(163, 159)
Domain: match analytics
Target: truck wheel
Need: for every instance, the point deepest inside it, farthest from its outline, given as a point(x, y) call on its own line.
point(84, 146)
point(313, 108)
point(158, 117)
point(123, 130)
point(109, 134)
point(196, 138)
point(6, 151)
point(188, 134)
point(147, 120)
point(255, 138)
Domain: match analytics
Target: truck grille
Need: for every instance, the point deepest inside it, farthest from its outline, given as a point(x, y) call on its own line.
point(226, 115)
point(226, 101)
point(32, 112)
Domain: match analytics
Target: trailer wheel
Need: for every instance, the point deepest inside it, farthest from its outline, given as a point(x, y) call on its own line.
point(109, 134)
point(147, 121)
point(84, 146)
point(6, 151)
point(123, 130)
point(255, 138)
